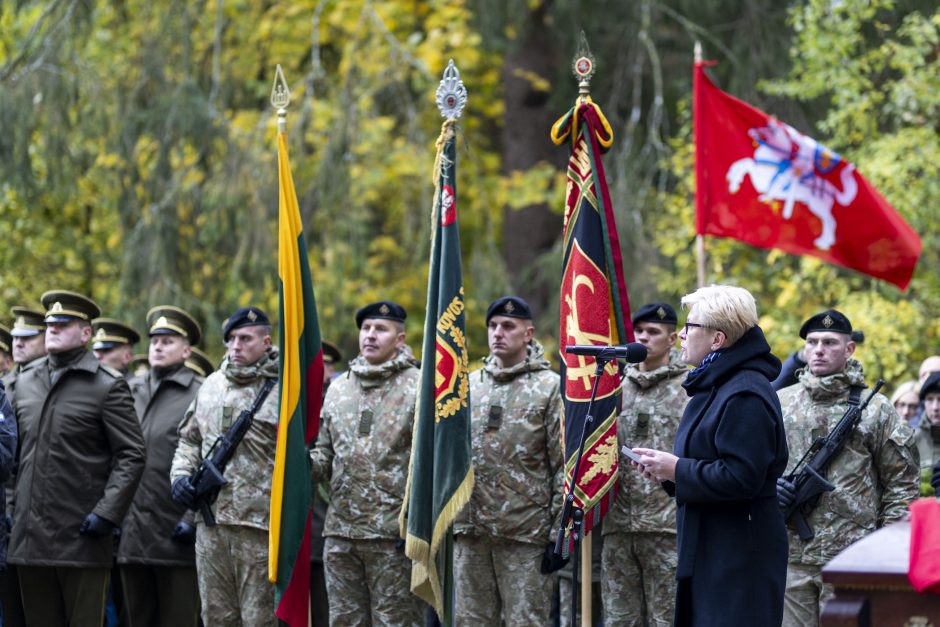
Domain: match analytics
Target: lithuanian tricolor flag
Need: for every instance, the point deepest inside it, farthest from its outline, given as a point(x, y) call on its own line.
point(301, 390)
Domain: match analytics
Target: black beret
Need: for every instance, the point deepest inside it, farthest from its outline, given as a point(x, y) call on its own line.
point(331, 354)
point(244, 317)
point(656, 312)
point(511, 306)
point(932, 384)
point(384, 309)
point(6, 340)
point(829, 320)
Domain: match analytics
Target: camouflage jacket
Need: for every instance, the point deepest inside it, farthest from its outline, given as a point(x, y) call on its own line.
point(927, 437)
point(364, 446)
point(875, 474)
point(517, 456)
point(245, 499)
point(652, 407)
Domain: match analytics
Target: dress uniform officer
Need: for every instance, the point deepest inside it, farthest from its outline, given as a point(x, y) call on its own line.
point(113, 342)
point(81, 457)
point(156, 557)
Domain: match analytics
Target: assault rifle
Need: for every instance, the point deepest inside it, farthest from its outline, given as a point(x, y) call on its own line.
point(209, 478)
point(808, 478)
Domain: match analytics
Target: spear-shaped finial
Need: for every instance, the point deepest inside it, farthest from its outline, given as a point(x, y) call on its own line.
point(280, 98)
point(451, 95)
point(583, 67)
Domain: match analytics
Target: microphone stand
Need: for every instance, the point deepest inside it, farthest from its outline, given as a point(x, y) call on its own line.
point(569, 511)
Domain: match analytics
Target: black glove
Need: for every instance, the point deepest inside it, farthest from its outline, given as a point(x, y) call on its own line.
point(184, 533)
point(786, 493)
point(552, 562)
point(935, 477)
point(183, 492)
point(400, 545)
point(96, 526)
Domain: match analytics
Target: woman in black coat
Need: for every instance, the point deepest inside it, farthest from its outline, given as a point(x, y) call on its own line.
point(730, 449)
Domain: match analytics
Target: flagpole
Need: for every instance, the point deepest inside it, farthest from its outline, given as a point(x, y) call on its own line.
point(699, 238)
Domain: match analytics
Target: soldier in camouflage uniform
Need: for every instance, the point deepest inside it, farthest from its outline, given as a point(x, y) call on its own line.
point(232, 557)
point(875, 475)
point(927, 433)
point(638, 563)
point(504, 535)
point(363, 449)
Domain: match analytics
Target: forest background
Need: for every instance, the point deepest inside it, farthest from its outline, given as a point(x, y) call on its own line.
point(138, 151)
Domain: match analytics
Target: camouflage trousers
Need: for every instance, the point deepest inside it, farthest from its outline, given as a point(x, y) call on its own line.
point(805, 595)
point(232, 570)
point(368, 582)
point(496, 578)
point(638, 579)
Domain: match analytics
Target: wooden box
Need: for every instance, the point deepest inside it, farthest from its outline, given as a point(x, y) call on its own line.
point(871, 585)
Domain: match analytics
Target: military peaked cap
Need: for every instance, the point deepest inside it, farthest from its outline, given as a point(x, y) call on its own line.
point(511, 306)
point(109, 333)
point(65, 306)
point(331, 354)
point(170, 320)
point(244, 317)
point(829, 320)
point(384, 309)
point(656, 312)
point(29, 322)
point(6, 340)
point(140, 365)
point(200, 363)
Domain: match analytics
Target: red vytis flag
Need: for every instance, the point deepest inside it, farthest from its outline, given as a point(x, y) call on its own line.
point(760, 181)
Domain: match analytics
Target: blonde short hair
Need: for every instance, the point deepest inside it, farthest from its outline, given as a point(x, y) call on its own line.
point(726, 308)
point(908, 387)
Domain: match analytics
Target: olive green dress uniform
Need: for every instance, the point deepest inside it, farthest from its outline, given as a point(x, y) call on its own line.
point(158, 569)
point(232, 557)
point(29, 323)
point(875, 478)
point(638, 563)
point(363, 449)
point(501, 536)
point(81, 452)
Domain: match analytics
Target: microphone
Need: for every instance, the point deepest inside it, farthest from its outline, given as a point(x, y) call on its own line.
point(633, 353)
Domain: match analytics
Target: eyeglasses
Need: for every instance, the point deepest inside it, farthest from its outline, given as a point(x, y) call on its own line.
point(693, 325)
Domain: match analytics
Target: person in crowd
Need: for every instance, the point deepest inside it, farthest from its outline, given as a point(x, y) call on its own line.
point(504, 537)
point(81, 458)
point(113, 343)
point(906, 400)
point(875, 473)
point(927, 433)
point(363, 450)
point(639, 555)
point(729, 451)
point(232, 555)
point(156, 555)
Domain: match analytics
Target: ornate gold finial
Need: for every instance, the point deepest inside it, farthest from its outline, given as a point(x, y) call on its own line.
point(280, 98)
point(583, 67)
point(451, 95)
